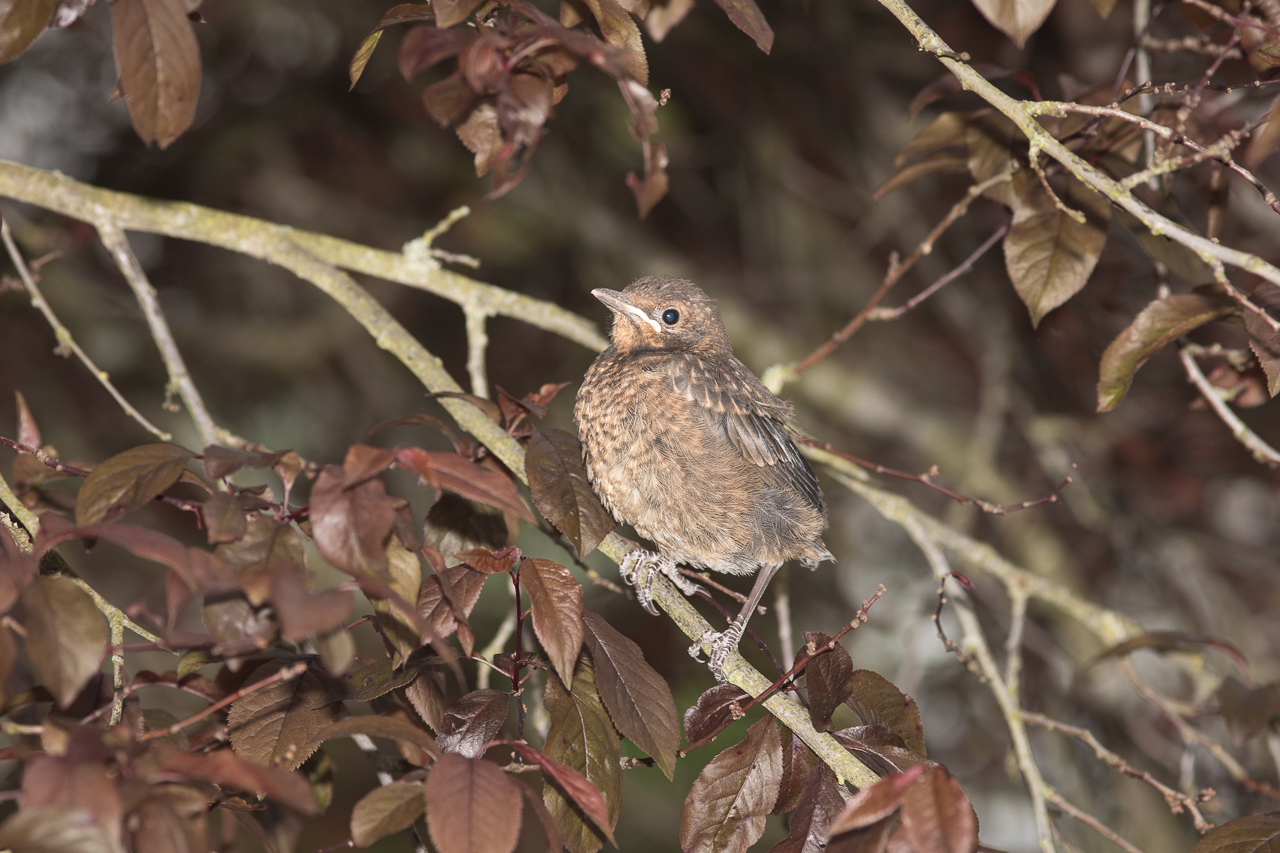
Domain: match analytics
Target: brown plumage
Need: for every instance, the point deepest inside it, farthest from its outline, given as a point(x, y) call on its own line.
point(684, 443)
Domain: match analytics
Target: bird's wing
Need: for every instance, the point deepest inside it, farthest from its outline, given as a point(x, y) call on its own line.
point(749, 416)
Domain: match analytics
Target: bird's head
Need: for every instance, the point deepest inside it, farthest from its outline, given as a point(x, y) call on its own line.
point(664, 313)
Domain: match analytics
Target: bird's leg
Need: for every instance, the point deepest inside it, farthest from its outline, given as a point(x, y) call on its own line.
point(727, 641)
point(638, 567)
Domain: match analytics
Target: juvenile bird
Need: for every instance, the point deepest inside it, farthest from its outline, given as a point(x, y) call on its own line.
point(684, 443)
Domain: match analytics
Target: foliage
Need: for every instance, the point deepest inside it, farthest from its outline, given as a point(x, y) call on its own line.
point(350, 593)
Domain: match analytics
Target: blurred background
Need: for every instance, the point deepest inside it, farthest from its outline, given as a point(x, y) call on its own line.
point(774, 160)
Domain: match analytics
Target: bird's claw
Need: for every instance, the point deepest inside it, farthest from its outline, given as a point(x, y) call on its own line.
point(638, 569)
point(721, 644)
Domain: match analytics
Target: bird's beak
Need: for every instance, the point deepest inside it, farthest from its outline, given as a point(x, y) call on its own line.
point(620, 305)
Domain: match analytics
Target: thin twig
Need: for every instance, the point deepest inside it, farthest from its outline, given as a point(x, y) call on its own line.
point(477, 345)
point(179, 377)
point(285, 673)
point(1262, 452)
point(1177, 801)
point(965, 265)
point(1089, 820)
point(893, 276)
point(65, 341)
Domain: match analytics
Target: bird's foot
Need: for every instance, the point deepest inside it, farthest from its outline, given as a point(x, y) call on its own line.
point(721, 644)
point(638, 569)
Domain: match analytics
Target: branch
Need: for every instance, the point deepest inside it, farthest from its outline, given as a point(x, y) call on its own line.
point(65, 341)
point(250, 236)
point(127, 262)
point(1262, 452)
point(1023, 114)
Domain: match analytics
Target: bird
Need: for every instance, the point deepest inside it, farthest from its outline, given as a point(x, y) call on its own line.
point(684, 443)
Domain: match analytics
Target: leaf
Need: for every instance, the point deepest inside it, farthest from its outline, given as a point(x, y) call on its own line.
point(555, 598)
point(302, 613)
point(572, 784)
point(712, 710)
point(386, 810)
point(399, 621)
point(1163, 321)
point(1264, 340)
point(435, 607)
point(798, 763)
point(426, 694)
point(276, 725)
point(1048, 254)
point(158, 60)
point(451, 12)
point(651, 189)
point(1104, 7)
point(919, 170)
point(621, 31)
point(1161, 640)
point(664, 15)
point(55, 829)
point(828, 677)
point(1248, 711)
point(881, 749)
point(20, 22)
point(872, 805)
point(582, 737)
point(1017, 19)
point(373, 680)
point(426, 46)
point(936, 815)
point(224, 521)
point(819, 804)
point(225, 769)
point(53, 780)
point(466, 478)
point(637, 697)
point(1267, 138)
point(1257, 833)
point(220, 462)
point(877, 701)
point(350, 526)
point(66, 637)
point(488, 562)
point(729, 801)
point(376, 725)
point(472, 806)
point(746, 16)
point(130, 479)
point(363, 462)
point(558, 482)
point(555, 841)
point(28, 429)
point(471, 722)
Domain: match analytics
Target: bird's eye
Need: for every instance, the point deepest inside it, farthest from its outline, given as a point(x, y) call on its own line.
point(671, 316)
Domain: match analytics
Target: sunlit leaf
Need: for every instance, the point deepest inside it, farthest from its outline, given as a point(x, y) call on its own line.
point(558, 481)
point(224, 521)
point(350, 526)
point(386, 810)
point(1163, 321)
point(798, 762)
point(729, 801)
point(555, 599)
point(1017, 19)
point(66, 636)
point(130, 479)
point(664, 15)
point(621, 31)
point(158, 60)
point(20, 22)
point(582, 736)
